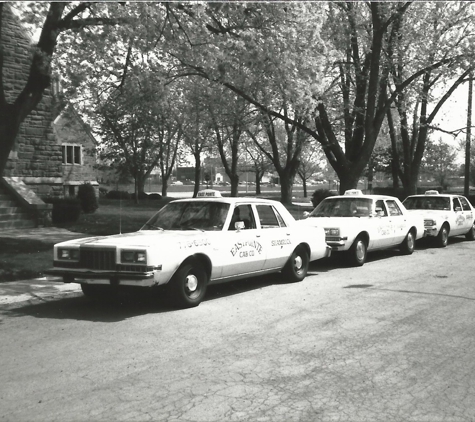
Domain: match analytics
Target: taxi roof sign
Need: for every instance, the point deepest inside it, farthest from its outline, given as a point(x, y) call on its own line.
point(431, 192)
point(353, 192)
point(209, 193)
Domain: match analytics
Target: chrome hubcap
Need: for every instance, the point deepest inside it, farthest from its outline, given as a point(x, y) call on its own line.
point(360, 250)
point(191, 283)
point(410, 241)
point(298, 263)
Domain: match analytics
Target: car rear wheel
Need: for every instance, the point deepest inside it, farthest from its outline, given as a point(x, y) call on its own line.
point(188, 285)
point(470, 235)
point(358, 252)
point(408, 245)
point(297, 266)
point(443, 236)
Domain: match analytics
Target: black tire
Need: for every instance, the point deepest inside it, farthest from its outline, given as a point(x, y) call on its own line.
point(296, 268)
point(358, 252)
point(188, 285)
point(99, 291)
point(470, 235)
point(443, 236)
point(409, 243)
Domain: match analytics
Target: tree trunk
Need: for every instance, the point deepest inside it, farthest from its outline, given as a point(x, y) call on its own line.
point(234, 179)
point(197, 175)
point(258, 183)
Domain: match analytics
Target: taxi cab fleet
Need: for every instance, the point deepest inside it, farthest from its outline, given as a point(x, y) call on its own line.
point(191, 243)
point(445, 215)
point(356, 223)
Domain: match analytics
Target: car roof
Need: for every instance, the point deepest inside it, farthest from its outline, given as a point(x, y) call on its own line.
point(364, 196)
point(436, 195)
point(229, 200)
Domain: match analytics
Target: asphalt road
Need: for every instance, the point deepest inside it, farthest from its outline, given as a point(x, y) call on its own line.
point(393, 340)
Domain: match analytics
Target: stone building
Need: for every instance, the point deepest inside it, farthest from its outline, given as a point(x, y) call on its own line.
point(52, 155)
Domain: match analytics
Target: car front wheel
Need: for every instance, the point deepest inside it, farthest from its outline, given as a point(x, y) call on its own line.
point(471, 233)
point(358, 252)
point(297, 266)
point(443, 236)
point(408, 245)
point(188, 285)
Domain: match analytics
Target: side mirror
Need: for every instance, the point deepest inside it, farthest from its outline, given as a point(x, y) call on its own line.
point(239, 225)
point(306, 214)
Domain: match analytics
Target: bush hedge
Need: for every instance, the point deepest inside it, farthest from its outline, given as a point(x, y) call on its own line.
point(65, 210)
point(87, 198)
point(319, 195)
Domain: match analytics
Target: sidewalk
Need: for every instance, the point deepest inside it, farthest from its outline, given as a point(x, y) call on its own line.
point(34, 291)
point(38, 289)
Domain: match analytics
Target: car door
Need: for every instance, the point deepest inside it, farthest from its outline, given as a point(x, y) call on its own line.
point(398, 222)
point(276, 236)
point(460, 223)
point(243, 251)
point(384, 230)
point(467, 212)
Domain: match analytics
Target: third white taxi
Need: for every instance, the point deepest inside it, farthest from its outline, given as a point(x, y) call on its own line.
point(356, 223)
point(445, 215)
point(191, 243)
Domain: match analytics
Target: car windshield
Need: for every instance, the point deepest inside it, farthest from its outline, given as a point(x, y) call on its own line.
point(427, 203)
point(343, 207)
point(192, 215)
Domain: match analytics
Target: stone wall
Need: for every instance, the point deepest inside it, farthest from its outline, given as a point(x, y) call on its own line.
point(37, 157)
point(70, 129)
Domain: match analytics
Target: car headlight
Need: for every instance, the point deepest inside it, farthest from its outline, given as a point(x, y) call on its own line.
point(68, 254)
point(332, 232)
point(133, 257)
point(429, 222)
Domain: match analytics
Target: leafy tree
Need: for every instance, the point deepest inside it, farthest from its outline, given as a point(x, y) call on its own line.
point(311, 162)
point(60, 17)
point(436, 37)
point(440, 161)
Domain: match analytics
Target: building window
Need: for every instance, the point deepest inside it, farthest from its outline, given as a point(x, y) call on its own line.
point(72, 154)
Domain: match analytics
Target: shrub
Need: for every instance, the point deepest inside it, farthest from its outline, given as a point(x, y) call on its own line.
point(87, 198)
point(319, 195)
point(117, 194)
point(65, 210)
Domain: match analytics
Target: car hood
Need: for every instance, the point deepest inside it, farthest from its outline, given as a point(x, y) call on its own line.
point(142, 239)
point(329, 222)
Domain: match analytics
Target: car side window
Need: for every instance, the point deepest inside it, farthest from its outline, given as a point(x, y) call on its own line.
point(465, 204)
point(393, 208)
point(243, 213)
point(381, 208)
point(268, 216)
point(456, 203)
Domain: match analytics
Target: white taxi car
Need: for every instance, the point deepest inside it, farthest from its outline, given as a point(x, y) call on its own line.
point(444, 215)
point(191, 243)
point(358, 223)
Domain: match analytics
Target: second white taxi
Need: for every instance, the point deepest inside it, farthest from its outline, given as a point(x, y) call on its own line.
point(356, 223)
point(191, 243)
point(445, 215)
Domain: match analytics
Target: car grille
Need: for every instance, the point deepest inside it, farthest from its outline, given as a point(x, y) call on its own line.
point(98, 259)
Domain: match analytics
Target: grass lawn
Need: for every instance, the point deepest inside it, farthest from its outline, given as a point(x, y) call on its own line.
point(26, 258)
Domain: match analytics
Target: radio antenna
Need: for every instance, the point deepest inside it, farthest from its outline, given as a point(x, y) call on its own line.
point(120, 212)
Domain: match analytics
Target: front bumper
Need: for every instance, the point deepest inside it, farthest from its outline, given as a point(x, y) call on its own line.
point(145, 279)
point(431, 231)
point(336, 243)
